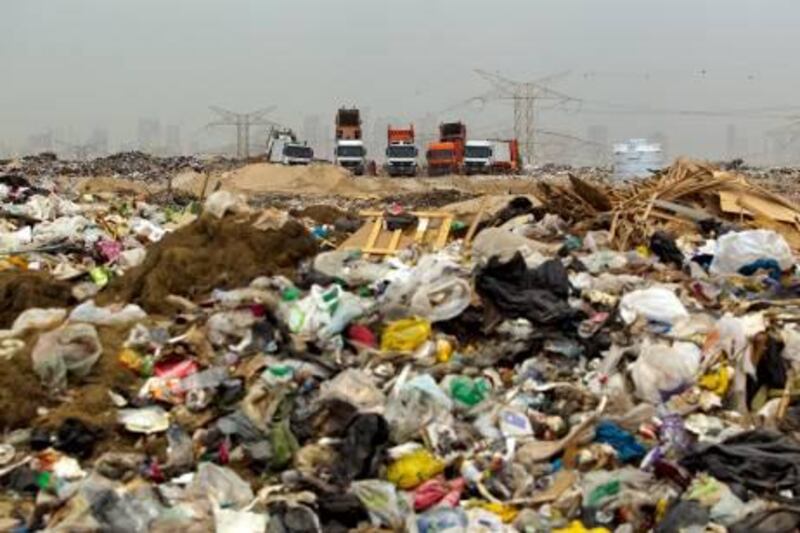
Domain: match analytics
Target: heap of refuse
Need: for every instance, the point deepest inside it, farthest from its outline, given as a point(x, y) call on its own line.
point(132, 165)
point(556, 366)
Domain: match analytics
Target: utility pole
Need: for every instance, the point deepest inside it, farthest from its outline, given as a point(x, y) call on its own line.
point(525, 96)
point(242, 121)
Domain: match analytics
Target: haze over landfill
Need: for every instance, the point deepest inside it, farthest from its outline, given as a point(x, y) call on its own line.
point(709, 78)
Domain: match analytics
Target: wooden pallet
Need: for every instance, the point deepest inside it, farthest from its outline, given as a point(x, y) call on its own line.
point(424, 220)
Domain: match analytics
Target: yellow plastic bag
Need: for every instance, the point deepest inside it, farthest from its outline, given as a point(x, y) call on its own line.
point(405, 335)
point(576, 526)
point(716, 381)
point(506, 513)
point(412, 469)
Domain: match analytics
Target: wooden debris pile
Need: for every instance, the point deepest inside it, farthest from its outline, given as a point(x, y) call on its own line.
point(677, 199)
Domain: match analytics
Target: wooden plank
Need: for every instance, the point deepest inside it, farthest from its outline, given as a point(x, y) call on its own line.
point(395, 240)
point(373, 235)
point(474, 226)
point(748, 204)
point(422, 227)
point(444, 231)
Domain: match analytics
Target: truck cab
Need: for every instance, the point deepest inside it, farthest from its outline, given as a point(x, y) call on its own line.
point(401, 152)
point(443, 158)
point(401, 159)
point(351, 155)
point(478, 157)
point(295, 153)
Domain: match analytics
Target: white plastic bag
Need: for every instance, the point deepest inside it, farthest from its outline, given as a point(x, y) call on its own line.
point(74, 348)
point(112, 315)
point(38, 319)
point(355, 387)
point(658, 304)
point(221, 485)
point(441, 300)
point(221, 202)
point(735, 250)
point(661, 370)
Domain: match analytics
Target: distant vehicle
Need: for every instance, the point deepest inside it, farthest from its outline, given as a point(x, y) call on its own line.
point(352, 155)
point(505, 157)
point(635, 158)
point(277, 139)
point(297, 154)
point(401, 152)
point(349, 151)
point(478, 157)
point(447, 155)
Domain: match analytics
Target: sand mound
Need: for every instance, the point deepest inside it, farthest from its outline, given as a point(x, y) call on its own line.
point(312, 179)
point(209, 254)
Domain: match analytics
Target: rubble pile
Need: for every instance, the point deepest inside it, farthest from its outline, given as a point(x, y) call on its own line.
point(132, 165)
point(612, 357)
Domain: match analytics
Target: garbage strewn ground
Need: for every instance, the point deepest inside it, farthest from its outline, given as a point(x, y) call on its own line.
point(247, 348)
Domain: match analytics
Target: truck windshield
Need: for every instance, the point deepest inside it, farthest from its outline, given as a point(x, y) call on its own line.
point(440, 155)
point(401, 151)
point(479, 152)
point(350, 151)
point(304, 152)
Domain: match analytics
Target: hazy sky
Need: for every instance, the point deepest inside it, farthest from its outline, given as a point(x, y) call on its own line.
point(73, 65)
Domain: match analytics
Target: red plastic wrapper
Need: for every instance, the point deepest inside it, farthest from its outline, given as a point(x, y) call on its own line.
point(438, 490)
point(109, 250)
point(176, 369)
point(362, 335)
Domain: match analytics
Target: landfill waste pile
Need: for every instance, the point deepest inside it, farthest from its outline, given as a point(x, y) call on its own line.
point(608, 358)
point(133, 165)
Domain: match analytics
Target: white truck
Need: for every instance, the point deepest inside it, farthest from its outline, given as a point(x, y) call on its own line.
point(295, 153)
point(478, 157)
point(351, 154)
point(284, 148)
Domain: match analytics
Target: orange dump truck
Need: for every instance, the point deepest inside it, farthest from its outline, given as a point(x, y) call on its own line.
point(447, 155)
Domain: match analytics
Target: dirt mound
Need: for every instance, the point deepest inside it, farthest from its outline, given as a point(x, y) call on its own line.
point(209, 254)
point(321, 213)
point(23, 290)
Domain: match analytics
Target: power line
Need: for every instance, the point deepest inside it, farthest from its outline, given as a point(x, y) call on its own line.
point(525, 96)
point(242, 121)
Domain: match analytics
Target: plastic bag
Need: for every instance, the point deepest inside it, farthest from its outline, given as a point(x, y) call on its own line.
point(443, 300)
point(413, 468)
point(32, 319)
point(112, 315)
point(467, 391)
point(60, 229)
point(661, 370)
point(221, 485)
point(657, 304)
point(73, 348)
point(147, 230)
point(152, 419)
point(350, 267)
point(415, 404)
point(230, 521)
point(499, 242)
point(443, 520)
point(736, 250)
point(355, 387)
point(220, 203)
point(16, 240)
point(384, 506)
point(405, 335)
